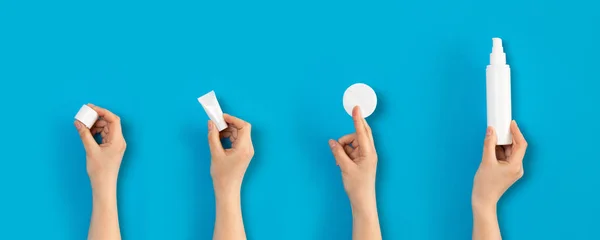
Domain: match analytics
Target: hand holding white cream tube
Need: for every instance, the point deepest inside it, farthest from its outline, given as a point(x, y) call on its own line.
point(213, 109)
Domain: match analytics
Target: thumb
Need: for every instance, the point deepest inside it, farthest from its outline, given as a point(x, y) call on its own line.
point(489, 144)
point(86, 136)
point(339, 154)
point(214, 139)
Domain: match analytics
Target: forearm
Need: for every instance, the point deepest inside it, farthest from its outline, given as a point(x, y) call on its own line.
point(365, 219)
point(228, 223)
point(485, 222)
point(104, 224)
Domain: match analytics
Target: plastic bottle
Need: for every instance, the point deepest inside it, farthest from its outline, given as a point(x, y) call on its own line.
point(499, 112)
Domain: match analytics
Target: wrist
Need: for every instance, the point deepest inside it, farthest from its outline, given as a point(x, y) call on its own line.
point(227, 189)
point(364, 203)
point(484, 208)
point(228, 200)
point(104, 197)
point(103, 179)
point(227, 193)
point(103, 186)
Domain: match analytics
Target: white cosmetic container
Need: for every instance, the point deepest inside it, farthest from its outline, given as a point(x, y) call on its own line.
point(87, 116)
point(361, 95)
point(213, 109)
point(499, 113)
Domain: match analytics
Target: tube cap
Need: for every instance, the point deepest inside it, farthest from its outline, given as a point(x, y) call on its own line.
point(87, 116)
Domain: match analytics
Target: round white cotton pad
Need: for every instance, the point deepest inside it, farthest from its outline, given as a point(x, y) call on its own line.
point(360, 94)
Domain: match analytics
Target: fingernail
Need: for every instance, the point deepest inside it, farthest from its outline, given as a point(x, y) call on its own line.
point(489, 131)
point(77, 125)
point(331, 143)
point(210, 125)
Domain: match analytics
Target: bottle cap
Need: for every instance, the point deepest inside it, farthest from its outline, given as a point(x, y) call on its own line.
point(87, 116)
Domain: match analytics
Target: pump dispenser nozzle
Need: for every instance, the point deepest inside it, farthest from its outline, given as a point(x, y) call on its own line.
point(498, 57)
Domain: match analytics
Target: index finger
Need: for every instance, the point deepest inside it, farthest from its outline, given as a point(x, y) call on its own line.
point(241, 125)
point(107, 115)
point(349, 139)
point(361, 131)
point(113, 120)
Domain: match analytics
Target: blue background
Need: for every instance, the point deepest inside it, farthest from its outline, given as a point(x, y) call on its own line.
point(283, 66)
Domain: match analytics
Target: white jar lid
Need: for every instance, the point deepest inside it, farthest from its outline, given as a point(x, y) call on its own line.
point(87, 116)
point(361, 95)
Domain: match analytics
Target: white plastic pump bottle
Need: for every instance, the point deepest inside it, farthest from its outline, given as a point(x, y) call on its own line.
point(499, 113)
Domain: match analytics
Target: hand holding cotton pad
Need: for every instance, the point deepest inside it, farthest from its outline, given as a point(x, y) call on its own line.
point(87, 116)
point(213, 109)
point(360, 94)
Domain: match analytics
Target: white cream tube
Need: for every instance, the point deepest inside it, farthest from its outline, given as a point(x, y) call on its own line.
point(213, 109)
